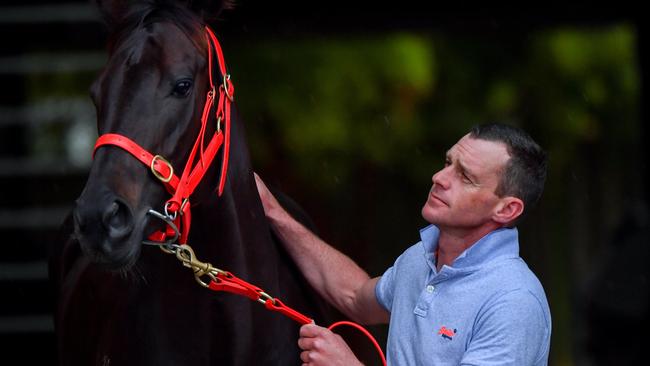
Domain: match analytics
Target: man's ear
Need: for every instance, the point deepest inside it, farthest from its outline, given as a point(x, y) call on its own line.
point(508, 210)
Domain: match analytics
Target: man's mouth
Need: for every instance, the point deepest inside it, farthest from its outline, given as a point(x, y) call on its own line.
point(435, 198)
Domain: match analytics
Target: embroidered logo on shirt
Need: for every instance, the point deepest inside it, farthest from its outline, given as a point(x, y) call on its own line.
point(447, 333)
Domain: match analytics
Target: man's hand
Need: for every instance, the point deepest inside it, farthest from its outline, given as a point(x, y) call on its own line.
point(322, 347)
point(349, 288)
point(268, 200)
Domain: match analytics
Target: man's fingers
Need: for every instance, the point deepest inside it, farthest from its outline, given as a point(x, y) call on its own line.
point(261, 187)
point(312, 330)
point(322, 347)
point(306, 343)
point(304, 356)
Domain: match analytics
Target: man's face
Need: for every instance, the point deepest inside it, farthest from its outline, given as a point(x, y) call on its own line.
point(462, 197)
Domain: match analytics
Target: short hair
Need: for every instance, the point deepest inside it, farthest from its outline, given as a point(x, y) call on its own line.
point(525, 172)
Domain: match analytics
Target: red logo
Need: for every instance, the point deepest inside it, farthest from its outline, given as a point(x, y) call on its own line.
point(447, 333)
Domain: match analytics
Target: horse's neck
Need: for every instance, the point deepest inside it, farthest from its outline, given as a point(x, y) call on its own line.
point(232, 229)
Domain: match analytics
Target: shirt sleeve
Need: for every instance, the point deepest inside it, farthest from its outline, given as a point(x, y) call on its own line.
point(385, 289)
point(387, 284)
point(512, 330)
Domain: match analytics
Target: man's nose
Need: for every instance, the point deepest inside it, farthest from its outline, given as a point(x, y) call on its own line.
point(441, 178)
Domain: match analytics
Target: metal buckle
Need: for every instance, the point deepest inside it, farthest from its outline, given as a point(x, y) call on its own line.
point(158, 175)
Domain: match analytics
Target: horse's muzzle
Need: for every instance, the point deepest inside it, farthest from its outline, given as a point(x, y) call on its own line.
point(104, 229)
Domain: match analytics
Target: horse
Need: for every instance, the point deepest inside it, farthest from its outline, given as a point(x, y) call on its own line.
point(119, 302)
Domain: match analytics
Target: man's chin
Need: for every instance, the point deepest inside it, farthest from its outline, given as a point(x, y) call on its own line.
point(428, 214)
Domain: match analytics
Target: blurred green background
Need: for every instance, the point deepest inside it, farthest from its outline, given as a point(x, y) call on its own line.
point(351, 115)
point(355, 126)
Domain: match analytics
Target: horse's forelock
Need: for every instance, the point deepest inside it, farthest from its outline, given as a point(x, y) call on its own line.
point(209, 10)
point(143, 14)
point(116, 12)
point(189, 15)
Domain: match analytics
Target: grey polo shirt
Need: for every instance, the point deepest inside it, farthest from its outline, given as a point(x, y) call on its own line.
point(488, 308)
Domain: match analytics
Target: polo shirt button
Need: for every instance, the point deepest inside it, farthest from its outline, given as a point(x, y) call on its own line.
point(430, 288)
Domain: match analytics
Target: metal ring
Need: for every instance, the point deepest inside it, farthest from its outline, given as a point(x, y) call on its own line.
point(167, 246)
point(264, 297)
point(171, 217)
point(226, 78)
point(185, 202)
point(158, 175)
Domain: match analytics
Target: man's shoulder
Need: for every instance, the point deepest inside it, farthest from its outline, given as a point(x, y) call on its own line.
point(512, 279)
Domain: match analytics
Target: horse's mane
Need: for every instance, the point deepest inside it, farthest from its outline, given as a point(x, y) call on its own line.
point(190, 16)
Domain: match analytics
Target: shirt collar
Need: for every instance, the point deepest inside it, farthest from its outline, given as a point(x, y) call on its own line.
point(500, 243)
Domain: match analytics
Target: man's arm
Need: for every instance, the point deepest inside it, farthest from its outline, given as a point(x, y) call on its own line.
point(333, 274)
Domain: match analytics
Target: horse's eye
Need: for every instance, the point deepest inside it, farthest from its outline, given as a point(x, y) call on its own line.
point(182, 88)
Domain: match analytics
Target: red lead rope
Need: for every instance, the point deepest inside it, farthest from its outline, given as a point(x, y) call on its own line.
point(221, 280)
point(226, 281)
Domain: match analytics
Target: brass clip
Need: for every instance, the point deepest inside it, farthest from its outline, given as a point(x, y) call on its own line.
point(186, 255)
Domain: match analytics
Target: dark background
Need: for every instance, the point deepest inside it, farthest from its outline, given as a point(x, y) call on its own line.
point(349, 108)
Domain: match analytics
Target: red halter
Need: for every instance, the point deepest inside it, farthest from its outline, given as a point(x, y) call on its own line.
point(177, 208)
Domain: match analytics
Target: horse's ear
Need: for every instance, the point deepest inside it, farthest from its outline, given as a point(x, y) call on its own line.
point(112, 11)
point(209, 10)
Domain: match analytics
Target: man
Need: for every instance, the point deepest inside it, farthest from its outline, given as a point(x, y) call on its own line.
point(462, 295)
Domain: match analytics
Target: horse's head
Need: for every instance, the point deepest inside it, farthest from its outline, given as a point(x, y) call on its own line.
point(152, 91)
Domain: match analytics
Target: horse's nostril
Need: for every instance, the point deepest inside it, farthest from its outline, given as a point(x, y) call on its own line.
point(117, 220)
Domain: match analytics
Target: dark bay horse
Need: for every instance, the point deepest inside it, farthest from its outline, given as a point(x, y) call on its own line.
point(122, 303)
